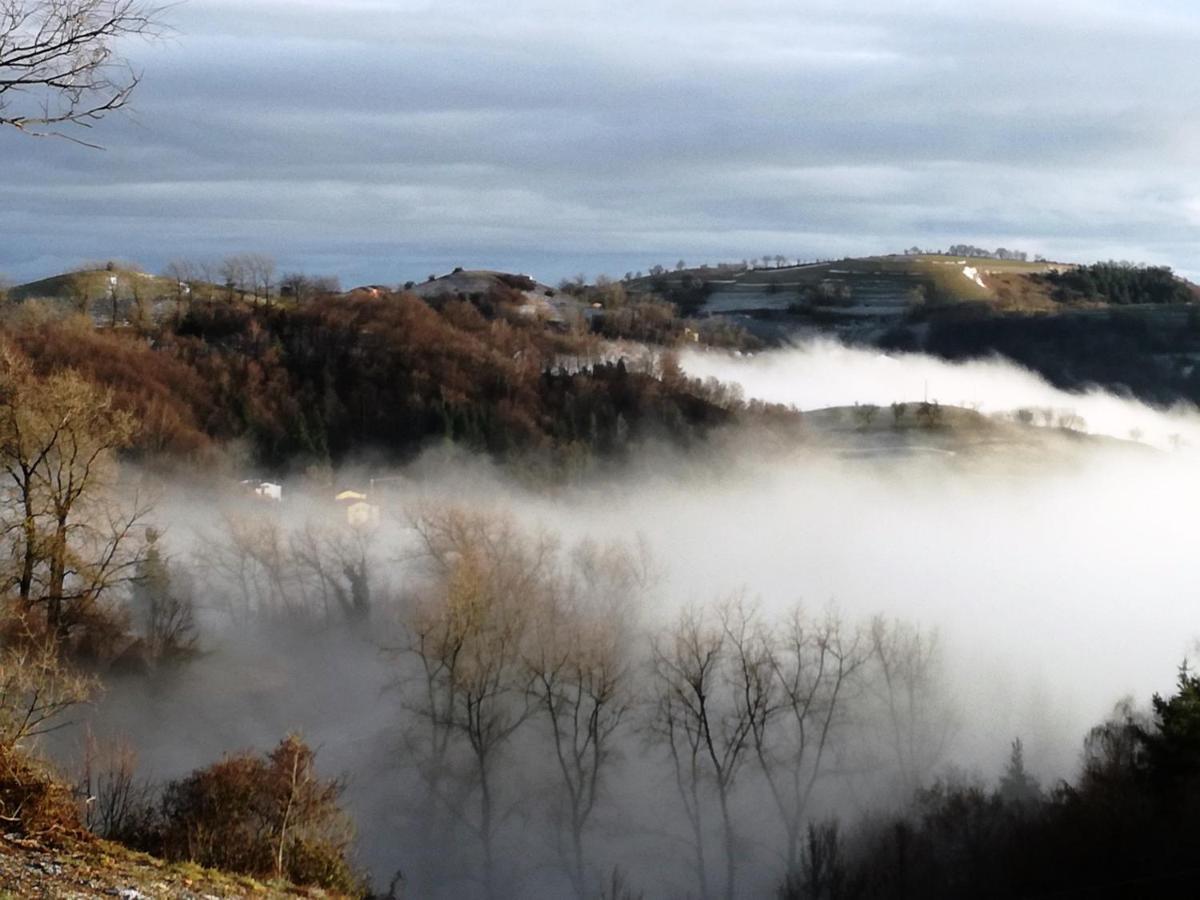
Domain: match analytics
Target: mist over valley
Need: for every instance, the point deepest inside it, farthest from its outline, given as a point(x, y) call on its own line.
point(548, 450)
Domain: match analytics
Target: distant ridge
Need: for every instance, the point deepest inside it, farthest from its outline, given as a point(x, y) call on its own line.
point(875, 286)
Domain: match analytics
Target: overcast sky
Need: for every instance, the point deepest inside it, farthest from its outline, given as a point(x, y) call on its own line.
point(382, 140)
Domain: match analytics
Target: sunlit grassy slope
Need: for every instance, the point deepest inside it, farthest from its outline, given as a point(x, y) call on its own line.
point(874, 285)
point(92, 284)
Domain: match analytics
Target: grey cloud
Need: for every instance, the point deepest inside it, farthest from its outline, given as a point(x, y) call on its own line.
point(392, 137)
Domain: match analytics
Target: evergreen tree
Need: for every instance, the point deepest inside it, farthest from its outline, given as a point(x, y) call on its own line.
point(1173, 748)
point(1018, 790)
point(162, 614)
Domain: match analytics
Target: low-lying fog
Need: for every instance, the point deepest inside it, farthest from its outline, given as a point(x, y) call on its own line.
point(823, 373)
point(1056, 585)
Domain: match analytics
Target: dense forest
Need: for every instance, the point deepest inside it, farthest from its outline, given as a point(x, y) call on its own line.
point(348, 377)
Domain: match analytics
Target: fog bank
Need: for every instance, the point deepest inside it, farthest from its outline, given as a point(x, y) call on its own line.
point(1057, 582)
point(820, 373)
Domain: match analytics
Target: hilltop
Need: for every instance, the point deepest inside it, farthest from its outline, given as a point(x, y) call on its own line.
point(90, 284)
point(111, 294)
point(874, 288)
point(531, 297)
point(1133, 329)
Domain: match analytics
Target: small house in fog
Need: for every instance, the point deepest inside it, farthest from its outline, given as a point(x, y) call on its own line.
point(266, 490)
point(358, 511)
point(369, 292)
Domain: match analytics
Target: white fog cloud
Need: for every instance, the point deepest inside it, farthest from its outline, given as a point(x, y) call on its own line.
point(1059, 576)
point(824, 373)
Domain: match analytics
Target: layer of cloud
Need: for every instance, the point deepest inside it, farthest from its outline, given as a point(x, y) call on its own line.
point(383, 140)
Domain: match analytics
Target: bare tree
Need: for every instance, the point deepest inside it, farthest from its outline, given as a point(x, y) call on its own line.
point(79, 290)
point(70, 540)
point(137, 293)
point(813, 664)
point(704, 711)
point(235, 274)
point(260, 271)
point(618, 887)
point(335, 562)
point(315, 572)
point(325, 284)
point(117, 805)
point(468, 633)
point(36, 688)
point(295, 285)
point(864, 414)
point(302, 288)
point(581, 679)
point(917, 718)
point(184, 274)
point(684, 666)
point(59, 61)
point(208, 273)
point(250, 554)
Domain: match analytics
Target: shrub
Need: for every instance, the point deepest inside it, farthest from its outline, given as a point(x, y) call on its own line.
point(33, 803)
point(268, 817)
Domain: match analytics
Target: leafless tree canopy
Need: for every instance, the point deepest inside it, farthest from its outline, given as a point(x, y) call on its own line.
point(60, 63)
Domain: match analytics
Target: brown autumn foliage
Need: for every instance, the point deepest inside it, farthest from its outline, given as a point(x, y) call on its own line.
point(267, 816)
point(69, 539)
point(34, 803)
point(385, 375)
point(168, 399)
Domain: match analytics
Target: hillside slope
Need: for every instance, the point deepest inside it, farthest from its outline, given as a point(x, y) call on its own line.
point(93, 869)
point(94, 284)
point(876, 286)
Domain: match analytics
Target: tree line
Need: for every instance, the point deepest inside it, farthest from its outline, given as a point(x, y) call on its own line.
point(1124, 826)
point(335, 378)
point(1121, 283)
point(973, 252)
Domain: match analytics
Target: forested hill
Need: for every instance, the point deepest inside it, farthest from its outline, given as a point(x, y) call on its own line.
point(386, 375)
point(1127, 328)
point(901, 285)
point(502, 364)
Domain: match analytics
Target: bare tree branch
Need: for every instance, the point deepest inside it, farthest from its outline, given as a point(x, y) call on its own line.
point(61, 63)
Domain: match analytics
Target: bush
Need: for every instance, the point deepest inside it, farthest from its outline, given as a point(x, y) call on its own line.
point(35, 804)
point(268, 817)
